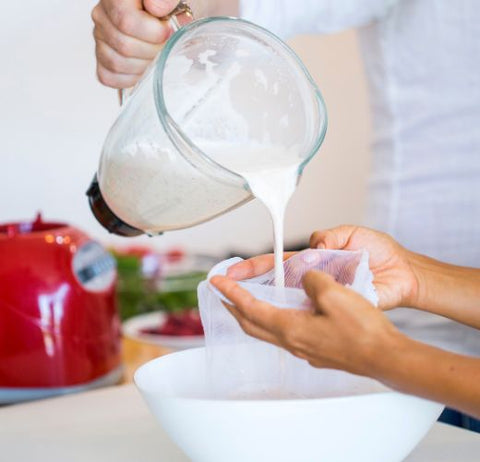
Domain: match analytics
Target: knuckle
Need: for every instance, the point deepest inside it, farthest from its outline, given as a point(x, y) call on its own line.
point(298, 353)
point(295, 338)
point(106, 78)
point(314, 363)
point(330, 236)
point(115, 66)
point(235, 293)
point(235, 290)
point(110, 62)
point(123, 46)
point(289, 339)
point(95, 14)
point(96, 34)
point(249, 301)
point(320, 361)
point(246, 326)
point(314, 237)
point(103, 76)
point(125, 22)
point(323, 297)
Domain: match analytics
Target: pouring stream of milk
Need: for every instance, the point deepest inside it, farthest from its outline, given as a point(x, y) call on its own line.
point(274, 189)
point(271, 174)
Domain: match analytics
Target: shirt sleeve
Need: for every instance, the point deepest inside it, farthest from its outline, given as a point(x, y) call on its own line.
point(288, 17)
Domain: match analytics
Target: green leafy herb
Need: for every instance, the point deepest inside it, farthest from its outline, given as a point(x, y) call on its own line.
point(138, 295)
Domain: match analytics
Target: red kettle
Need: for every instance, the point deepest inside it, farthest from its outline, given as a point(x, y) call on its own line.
point(59, 327)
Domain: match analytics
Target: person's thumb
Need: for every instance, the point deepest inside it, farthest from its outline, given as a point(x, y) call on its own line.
point(159, 8)
point(322, 289)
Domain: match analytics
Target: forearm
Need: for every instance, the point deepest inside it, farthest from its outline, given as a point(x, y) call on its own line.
point(418, 369)
point(447, 290)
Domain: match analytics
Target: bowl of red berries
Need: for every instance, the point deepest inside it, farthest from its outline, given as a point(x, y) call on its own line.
point(176, 330)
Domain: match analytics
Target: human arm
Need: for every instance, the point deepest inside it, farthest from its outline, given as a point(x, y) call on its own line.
point(344, 331)
point(128, 34)
point(404, 278)
point(447, 290)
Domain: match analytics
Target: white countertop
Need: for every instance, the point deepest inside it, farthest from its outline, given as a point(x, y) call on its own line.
point(114, 425)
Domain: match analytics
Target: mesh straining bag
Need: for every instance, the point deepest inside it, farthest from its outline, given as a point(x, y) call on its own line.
point(241, 366)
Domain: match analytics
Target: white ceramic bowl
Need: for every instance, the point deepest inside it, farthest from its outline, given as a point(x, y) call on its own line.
point(373, 427)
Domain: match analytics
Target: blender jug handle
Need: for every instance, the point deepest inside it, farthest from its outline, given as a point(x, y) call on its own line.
point(172, 18)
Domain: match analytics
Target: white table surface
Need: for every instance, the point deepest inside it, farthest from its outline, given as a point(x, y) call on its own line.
point(114, 425)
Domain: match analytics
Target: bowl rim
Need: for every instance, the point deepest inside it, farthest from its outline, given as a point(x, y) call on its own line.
point(267, 403)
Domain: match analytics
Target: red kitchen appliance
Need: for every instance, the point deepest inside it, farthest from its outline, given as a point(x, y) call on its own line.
point(59, 327)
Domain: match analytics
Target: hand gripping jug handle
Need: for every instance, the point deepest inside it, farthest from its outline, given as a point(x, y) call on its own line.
point(99, 207)
point(172, 18)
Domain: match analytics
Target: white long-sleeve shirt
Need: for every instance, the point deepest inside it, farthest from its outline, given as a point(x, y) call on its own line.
point(422, 59)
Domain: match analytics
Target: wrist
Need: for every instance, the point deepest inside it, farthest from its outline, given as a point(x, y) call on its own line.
point(389, 361)
point(430, 277)
point(382, 353)
point(415, 293)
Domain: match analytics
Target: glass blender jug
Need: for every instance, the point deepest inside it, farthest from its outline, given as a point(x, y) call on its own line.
point(220, 85)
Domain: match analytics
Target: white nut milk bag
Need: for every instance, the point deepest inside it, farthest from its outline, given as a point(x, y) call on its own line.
point(242, 367)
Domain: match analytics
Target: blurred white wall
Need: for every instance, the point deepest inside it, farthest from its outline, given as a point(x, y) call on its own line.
point(54, 117)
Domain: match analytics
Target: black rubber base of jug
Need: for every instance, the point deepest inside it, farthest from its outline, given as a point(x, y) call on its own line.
point(105, 216)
